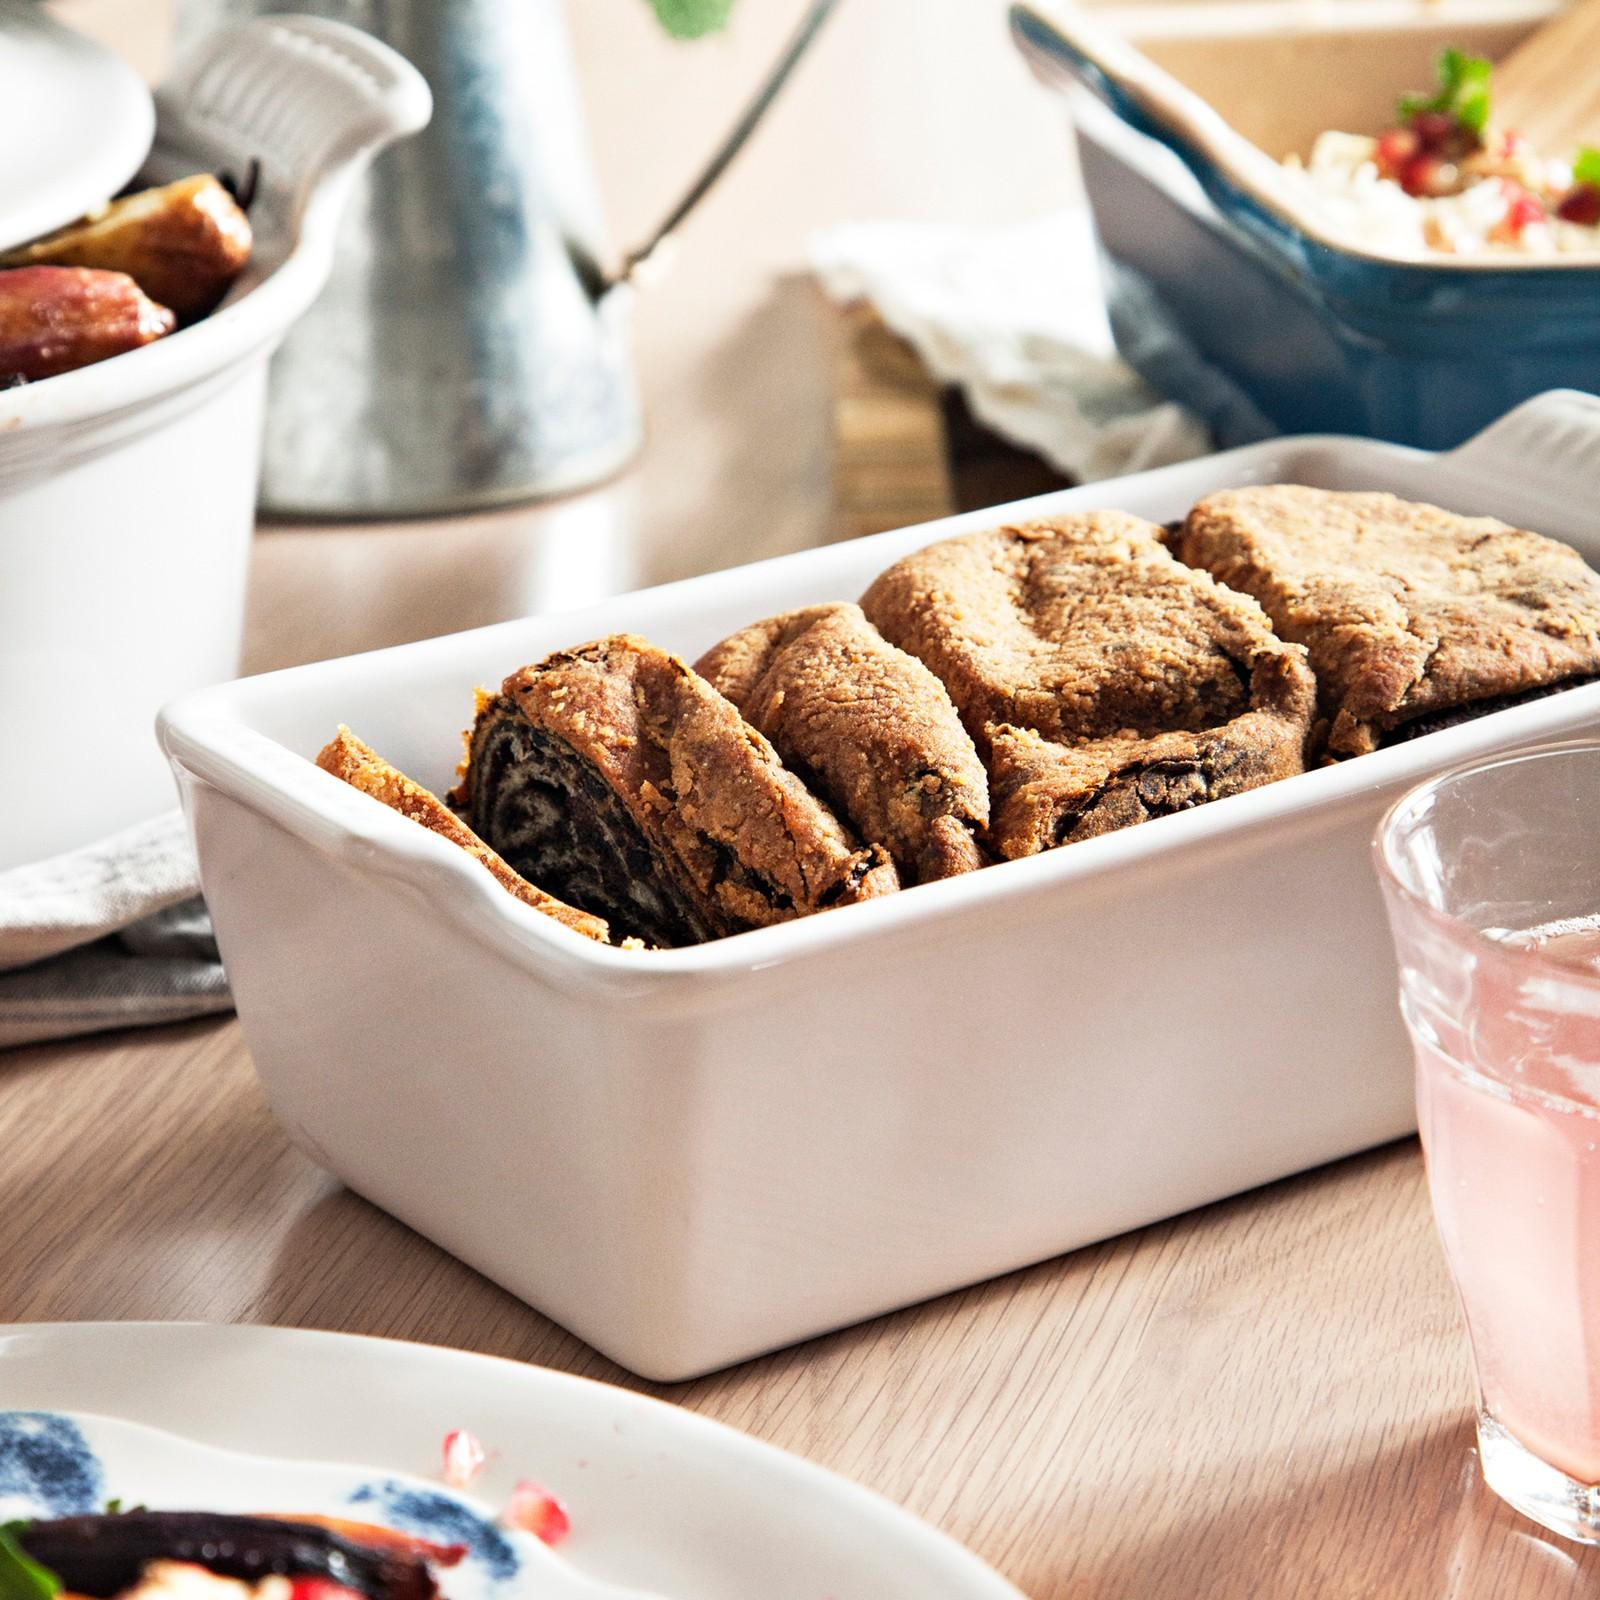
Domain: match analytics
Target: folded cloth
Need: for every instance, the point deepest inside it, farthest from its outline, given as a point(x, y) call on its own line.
point(1015, 316)
point(113, 935)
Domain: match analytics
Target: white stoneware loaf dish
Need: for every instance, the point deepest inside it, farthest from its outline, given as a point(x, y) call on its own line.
point(693, 1156)
point(127, 489)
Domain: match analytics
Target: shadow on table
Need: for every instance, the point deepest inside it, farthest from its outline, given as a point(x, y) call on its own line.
point(1338, 1485)
point(81, 1050)
point(348, 1266)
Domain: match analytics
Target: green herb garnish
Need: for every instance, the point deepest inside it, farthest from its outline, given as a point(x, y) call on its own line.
point(21, 1577)
point(1586, 166)
point(690, 19)
point(1463, 92)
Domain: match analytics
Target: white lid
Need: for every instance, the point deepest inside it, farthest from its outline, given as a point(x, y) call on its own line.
point(75, 123)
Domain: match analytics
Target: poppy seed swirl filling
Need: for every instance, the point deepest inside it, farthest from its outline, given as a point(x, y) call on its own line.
point(543, 808)
point(620, 780)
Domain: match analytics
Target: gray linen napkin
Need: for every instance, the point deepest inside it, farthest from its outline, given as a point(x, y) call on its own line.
point(114, 935)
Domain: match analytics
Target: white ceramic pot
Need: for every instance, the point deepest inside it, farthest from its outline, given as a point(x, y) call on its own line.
point(127, 489)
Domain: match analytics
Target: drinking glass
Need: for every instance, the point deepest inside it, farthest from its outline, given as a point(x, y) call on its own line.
point(1491, 875)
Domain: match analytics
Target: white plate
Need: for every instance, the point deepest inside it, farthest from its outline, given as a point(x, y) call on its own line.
point(75, 123)
point(662, 1501)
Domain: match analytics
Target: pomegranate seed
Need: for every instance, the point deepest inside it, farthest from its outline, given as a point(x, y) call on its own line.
point(1523, 210)
point(308, 1588)
point(1426, 175)
point(1513, 146)
point(1395, 149)
point(538, 1512)
point(1581, 204)
point(1434, 129)
point(463, 1458)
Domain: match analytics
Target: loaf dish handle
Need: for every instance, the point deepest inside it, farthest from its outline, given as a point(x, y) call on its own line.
point(311, 100)
point(1554, 437)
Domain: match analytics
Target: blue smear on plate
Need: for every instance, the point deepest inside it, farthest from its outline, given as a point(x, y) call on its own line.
point(432, 1514)
point(46, 1462)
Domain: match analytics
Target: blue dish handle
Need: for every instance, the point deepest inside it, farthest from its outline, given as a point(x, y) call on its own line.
point(1050, 51)
point(1059, 58)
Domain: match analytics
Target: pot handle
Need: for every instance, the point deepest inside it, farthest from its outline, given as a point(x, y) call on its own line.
point(311, 101)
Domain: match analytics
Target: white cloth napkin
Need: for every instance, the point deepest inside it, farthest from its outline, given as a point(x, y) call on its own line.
point(1016, 317)
point(110, 936)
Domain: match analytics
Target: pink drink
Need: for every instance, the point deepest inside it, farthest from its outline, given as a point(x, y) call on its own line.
point(1514, 1169)
point(1491, 875)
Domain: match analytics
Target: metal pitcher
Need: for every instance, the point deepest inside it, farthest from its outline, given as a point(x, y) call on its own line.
point(470, 348)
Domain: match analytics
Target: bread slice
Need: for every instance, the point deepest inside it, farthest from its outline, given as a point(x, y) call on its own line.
point(357, 764)
point(622, 779)
point(1413, 616)
point(1103, 681)
point(872, 730)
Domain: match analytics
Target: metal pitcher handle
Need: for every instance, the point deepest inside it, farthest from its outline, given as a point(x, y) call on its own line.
point(594, 278)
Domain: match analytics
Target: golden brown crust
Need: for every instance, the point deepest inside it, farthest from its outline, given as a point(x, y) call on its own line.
point(745, 840)
point(1407, 610)
point(1103, 681)
point(459, 797)
point(871, 728)
point(357, 764)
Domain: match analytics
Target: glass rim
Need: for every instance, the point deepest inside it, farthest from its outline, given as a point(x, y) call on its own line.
point(1457, 927)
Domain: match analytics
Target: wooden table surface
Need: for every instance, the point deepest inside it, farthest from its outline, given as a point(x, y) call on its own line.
point(1269, 1397)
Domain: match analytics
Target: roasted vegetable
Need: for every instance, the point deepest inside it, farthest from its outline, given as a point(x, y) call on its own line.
point(183, 244)
point(374, 1534)
point(102, 1556)
point(1581, 203)
point(54, 319)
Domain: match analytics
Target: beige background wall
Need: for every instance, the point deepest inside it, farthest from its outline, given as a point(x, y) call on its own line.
point(907, 108)
point(916, 107)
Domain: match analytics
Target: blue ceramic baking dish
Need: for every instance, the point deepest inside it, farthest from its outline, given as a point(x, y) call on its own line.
point(1228, 300)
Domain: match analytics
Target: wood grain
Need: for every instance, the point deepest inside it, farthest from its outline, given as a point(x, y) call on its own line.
point(906, 449)
point(1549, 86)
point(1269, 1397)
point(890, 468)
